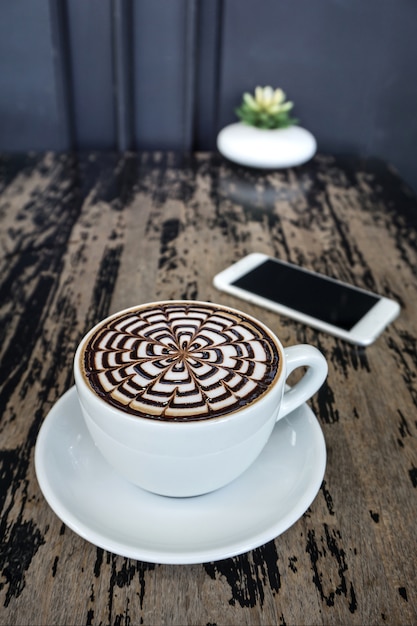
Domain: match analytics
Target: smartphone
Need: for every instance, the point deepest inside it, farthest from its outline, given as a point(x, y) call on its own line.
point(355, 315)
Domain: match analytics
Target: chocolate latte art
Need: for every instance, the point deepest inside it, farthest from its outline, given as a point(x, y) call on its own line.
point(180, 361)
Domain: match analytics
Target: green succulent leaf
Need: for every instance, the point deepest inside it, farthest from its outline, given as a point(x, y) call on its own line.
point(267, 108)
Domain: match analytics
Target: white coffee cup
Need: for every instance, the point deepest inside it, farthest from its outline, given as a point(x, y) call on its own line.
point(183, 454)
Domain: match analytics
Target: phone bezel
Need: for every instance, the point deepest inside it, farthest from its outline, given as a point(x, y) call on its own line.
point(369, 327)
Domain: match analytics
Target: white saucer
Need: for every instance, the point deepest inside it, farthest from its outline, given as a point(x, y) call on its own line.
point(103, 508)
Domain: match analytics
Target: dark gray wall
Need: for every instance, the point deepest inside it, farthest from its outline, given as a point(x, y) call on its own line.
point(167, 74)
point(33, 110)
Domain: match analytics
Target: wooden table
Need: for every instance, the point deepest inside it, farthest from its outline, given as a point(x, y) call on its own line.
point(85, 236)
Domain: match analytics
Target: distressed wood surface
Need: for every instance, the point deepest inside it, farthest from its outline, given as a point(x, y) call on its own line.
point(84, 237)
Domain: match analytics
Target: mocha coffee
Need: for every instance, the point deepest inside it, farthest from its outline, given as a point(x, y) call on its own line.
point(180, 361)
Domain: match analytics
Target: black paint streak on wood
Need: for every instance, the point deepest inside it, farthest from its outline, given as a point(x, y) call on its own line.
point(248, 573)
point(345, 356)
point(21, 540)
point(292, 560)
point(119, 578)
point(104, 285)
point(170, 231)
point(99, 561)
point(190, 291)
point(413, 476)
point(328, 412)
point(17, 353)
point(24, 542)
point(405, 353)
point(375, 516)
point(330, 548)
point(353, 604)
point(403, 428)
point(122, 577)
point(403, 593)
point(55, 566)
point(341, 228)
point(19, 545)
point(327, 497)
point(123, 618)
point(15, 359)
point(117, 179)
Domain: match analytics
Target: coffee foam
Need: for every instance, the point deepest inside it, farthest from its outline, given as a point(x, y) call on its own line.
point(180, 361)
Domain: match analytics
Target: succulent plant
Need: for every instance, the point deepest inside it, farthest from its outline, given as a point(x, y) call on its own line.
point(267, 108)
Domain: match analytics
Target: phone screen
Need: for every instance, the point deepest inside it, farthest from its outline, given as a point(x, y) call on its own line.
point(313, 295)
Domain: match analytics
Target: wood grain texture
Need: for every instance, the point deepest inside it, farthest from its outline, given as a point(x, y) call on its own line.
point(84, 237)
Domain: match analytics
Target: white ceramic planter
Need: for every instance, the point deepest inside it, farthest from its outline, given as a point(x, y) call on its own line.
point(258, 147)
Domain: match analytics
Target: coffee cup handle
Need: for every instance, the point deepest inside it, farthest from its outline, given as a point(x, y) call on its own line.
point(303, 356)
